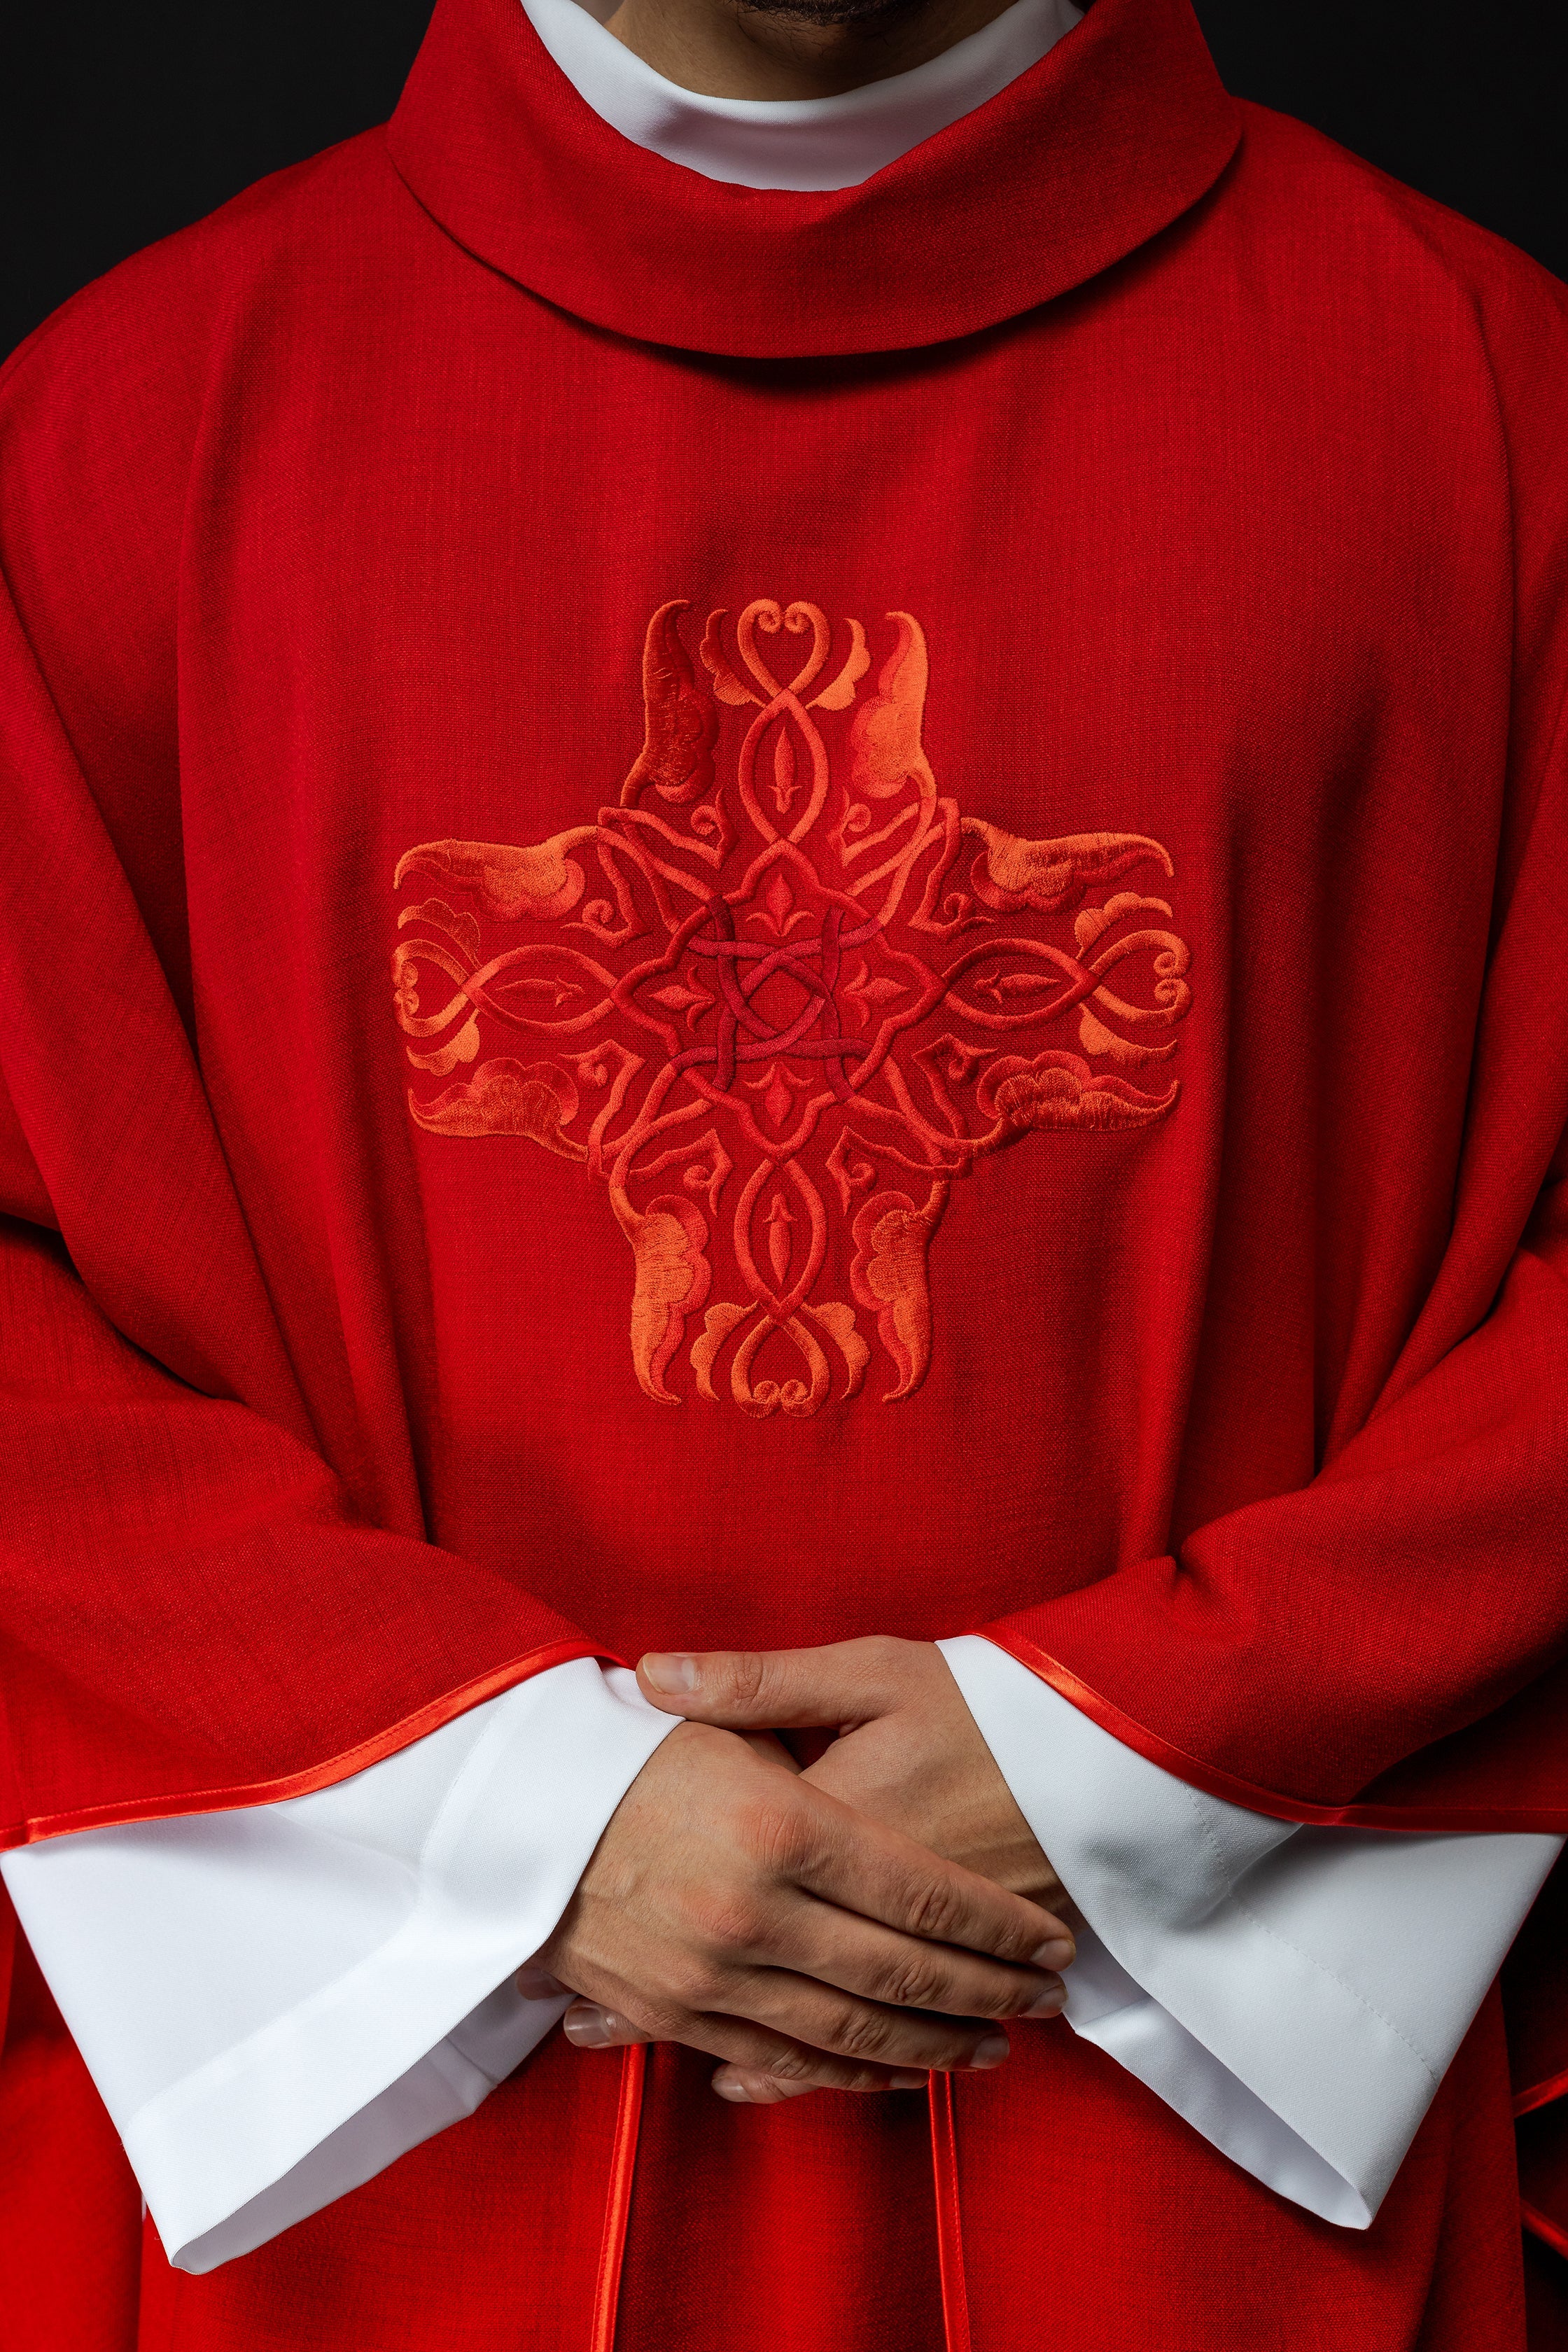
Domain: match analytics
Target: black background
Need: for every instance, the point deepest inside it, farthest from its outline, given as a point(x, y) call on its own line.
point(120, 123)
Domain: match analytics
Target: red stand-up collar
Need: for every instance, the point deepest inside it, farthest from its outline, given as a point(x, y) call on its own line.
point(1103, 143)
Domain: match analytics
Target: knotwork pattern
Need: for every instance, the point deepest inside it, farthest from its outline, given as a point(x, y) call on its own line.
point(786, 1012)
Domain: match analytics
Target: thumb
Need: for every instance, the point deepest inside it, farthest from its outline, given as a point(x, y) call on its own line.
point(744, 1690)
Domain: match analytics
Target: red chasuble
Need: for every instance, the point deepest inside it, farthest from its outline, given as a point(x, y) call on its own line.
point(734, 919)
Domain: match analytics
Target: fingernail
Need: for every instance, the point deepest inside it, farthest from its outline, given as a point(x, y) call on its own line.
point(1053, 1998)
point(538, 1984)
point(1060, 1953)
point(992, 2051)
point(669, 1672)
point(590, 2029)
point(902, 2079)
point(734, 2090)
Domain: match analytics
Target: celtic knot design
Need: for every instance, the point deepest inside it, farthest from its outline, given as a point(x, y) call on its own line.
point(784, 1014)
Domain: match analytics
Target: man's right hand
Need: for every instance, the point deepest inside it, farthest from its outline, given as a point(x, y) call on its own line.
point(733, 1906)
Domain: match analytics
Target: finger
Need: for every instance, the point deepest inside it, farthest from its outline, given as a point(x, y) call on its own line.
point(832, 1850)
point(749, 2086)
point(769, 1750)
point(744, 2042)
point(858, 1955)
point(844, 1683)
point(535, 1983)
point(863, 2031)
point(588, 2025)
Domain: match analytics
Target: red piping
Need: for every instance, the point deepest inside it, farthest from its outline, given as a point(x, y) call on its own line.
point(1553, 1820)
point(1539, 2226)
point(381, 1744)
point(1540, 2094)
point(949, 2223)
point(618, 2199)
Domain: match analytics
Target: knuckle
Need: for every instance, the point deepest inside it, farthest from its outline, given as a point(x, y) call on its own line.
point(747, 1673)
point(1008, 1938)
point(730, 1922)
point(699, 1983)
point(913, 1983)
point(863, 2034)
point(936, 1911)
point(793, 2066)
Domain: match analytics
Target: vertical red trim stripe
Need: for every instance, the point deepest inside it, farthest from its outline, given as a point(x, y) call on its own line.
point(949, 2226)
point(618, 2199)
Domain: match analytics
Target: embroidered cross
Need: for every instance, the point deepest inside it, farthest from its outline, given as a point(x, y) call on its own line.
point(836, 1002)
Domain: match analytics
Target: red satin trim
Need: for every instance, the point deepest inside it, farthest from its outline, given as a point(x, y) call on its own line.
point(1552, 1820)
point(618, 2199)
point(375, 1750)
point(949, 2223)
point(1540, 2094)
point(1537, 2223)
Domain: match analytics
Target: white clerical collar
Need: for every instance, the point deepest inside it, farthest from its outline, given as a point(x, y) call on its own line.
point(801, 144)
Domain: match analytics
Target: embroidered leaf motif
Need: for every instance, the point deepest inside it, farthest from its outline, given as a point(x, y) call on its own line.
point(779, 1223)
point(1016, 983)
point(557, 992)
point(679, 997)
point(866, 992)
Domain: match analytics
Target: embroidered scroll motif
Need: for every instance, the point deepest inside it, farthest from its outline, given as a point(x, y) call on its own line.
point(777, 1010)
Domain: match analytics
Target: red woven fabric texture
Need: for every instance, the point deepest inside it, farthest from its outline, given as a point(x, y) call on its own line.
point(1200, 508)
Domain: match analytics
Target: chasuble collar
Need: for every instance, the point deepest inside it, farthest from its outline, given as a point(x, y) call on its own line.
point(1074, 165)
point(798, 143)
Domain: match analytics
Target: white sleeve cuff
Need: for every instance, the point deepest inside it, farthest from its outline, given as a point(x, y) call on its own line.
point(274, 2003)
point(1296, 1994)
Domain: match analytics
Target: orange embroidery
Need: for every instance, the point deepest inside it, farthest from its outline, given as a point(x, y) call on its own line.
point(786, 1004)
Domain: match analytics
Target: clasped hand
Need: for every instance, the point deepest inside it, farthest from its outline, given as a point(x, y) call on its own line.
point(849, 1927)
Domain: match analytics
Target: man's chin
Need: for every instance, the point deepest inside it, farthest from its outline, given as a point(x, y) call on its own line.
point(826, 16)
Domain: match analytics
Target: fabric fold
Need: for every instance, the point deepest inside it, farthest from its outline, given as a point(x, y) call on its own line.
point(254, 2078)
point(1297, 1994)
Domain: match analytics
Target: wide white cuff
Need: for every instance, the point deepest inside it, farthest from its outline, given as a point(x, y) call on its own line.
point(1296, 1994)
point(277, 2003)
